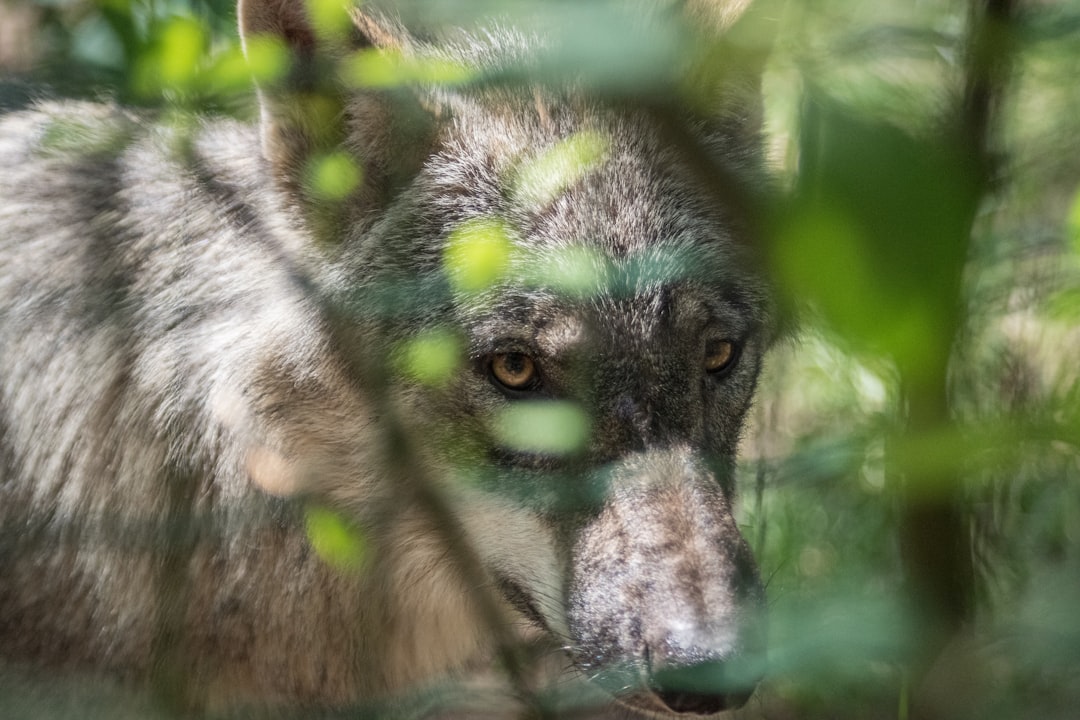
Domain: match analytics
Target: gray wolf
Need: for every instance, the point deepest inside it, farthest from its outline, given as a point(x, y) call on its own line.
point(463, 416)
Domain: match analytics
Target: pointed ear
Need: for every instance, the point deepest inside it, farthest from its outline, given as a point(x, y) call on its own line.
point(301, 110)
point(739, 39)
point(330, 146)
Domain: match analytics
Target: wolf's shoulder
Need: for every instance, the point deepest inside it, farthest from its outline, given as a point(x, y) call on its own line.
point(97, 197)
point(53, 134)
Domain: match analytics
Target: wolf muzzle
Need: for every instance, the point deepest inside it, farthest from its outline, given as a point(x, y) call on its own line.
point(665, 603)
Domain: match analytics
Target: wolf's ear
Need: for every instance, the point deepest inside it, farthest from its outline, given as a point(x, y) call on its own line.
point(312, 119)
point(740, 38)
point(301, 111)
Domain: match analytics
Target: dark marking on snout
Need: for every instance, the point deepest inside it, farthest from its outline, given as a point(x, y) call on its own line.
point(514, 594)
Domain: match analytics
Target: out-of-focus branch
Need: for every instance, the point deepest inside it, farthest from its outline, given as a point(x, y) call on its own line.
point(934, 529)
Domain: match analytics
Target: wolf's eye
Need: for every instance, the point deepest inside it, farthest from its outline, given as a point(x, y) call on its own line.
point(515, 371)
point(720, 356)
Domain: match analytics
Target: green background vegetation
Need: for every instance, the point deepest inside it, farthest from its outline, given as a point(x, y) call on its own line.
point(911, 483)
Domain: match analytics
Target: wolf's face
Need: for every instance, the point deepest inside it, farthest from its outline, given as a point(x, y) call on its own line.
point(596, 330)
point(607, 363)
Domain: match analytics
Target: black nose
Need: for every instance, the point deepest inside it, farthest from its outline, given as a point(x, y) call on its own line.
point(697, 703)
point(701, 689)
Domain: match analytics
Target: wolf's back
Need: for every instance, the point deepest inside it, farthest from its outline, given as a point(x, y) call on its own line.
point(144, 297)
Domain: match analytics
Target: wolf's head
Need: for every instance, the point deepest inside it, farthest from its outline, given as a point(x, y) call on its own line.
point(549, 283)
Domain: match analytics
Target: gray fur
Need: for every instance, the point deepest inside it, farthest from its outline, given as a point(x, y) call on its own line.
point(193, 349)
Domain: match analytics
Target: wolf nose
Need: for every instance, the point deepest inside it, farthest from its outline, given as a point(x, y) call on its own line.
point(700, 689)
point(693, 703)
point(696, 703)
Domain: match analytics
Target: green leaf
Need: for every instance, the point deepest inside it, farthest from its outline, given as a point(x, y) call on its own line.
point(334, 176)
point(543, 427)
point(378, 68)
point(541, 179)
point(432, 357)
point(339, 542)
point(478, 254)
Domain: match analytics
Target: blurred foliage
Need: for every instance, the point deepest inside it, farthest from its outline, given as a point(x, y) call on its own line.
point(908, 267)
point(144, 51)
point(862, 100)
point(337, 541)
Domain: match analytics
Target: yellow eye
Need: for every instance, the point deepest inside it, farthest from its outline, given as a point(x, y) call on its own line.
point(516, 371)
point(719, 355)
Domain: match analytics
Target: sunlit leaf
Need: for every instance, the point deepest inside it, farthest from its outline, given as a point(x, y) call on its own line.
point(229, 72)
point(172, 62)
point(1072, 226)
point(379, 68)
point(182, 44)
point(574, 270)
point(478, 254)
point(542, 178)
point(1064, 305)
point(821, 255)
point(334, 176)
point(329, 18)
point(543, 427)
point(337, 541)
point(432, 357)
point(263, 59)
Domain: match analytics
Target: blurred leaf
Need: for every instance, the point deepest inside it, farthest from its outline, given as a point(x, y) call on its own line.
point(337, 541)
point(432, 357)
point(379, 68)
point(574, 270)
point(540, 179)
point(96, 41)
point(610, 46)
point(823, 460)
point(878, 235)
point(329, 18)
point(832, 636)
point(333, 176)
point(1072, 227)
point(819, 245)
point(264, 59)
point(1064, 305)
point(173, 63)
point(478, 254)
point(543, 427)
point(710, 678)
